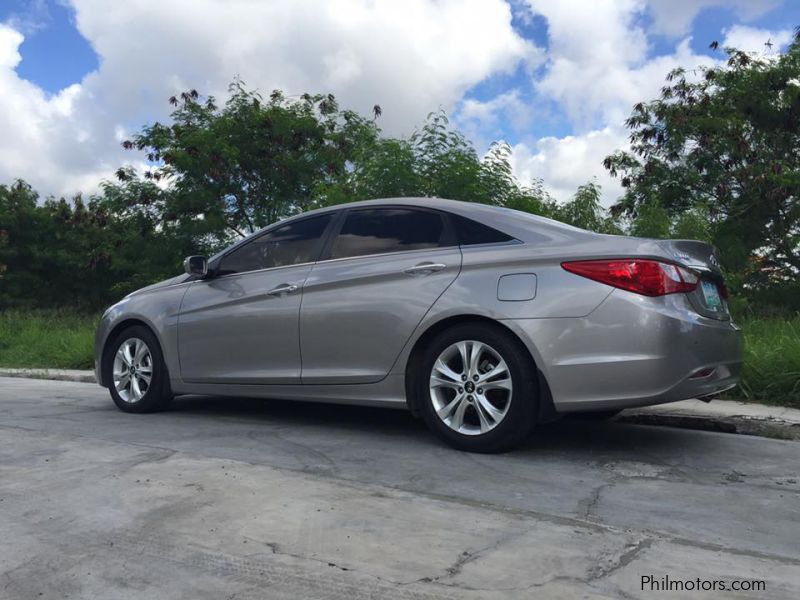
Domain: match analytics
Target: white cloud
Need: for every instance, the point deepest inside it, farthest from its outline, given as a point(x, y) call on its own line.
point(410, 57)
point(565, 163)
point(598, 68)
point(675, 17)
point(40, 134)
point(10, 41)
point(751, 39)
point(487, 121)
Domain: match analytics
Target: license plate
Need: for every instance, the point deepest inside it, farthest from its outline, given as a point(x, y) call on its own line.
point(711, 295)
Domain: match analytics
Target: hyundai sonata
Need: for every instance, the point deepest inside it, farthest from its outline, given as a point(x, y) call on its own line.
point(482, 320)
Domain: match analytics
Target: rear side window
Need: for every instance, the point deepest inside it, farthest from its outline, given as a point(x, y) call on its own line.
point(294, 243)
point(382, 230)
point(471, 232)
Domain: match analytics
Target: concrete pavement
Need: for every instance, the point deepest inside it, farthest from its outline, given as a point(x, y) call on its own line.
point(227, 498)
point(720, 415)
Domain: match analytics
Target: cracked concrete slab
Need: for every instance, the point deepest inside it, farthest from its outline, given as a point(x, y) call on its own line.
point(226, 498)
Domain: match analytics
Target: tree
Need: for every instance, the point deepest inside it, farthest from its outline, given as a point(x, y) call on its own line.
point(435, 161)
point(651, 220)
point(724, 140)
point(235, 169)
point(584, 210)
point(52, 252)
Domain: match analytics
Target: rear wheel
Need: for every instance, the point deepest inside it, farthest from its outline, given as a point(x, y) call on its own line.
point(477, 388)
point(135, 370)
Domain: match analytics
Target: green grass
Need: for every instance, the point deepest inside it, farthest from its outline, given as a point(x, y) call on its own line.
point(771, 361)
point(59, 339)
point(64, 339)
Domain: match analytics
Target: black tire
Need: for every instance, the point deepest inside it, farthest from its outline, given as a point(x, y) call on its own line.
point(520, 417)
point(595, 415)
point(158, 394)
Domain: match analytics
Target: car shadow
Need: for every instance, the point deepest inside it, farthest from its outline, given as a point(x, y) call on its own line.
point(573, 436)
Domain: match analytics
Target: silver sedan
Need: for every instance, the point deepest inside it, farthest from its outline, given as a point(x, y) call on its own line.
point(482, 320)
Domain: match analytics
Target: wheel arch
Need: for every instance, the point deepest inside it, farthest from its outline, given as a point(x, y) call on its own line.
point(114, 333)
point(546, 409)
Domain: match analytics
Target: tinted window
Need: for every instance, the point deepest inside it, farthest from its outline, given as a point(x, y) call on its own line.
point(380, 230)
point(292, 244)
point(471, 232)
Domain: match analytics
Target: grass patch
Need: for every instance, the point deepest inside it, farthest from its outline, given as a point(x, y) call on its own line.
point(65, 339)
point(56, 339)
point(771, 371)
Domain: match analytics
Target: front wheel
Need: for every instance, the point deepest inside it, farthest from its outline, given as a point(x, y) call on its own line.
point(477, 388)
point(135, 370)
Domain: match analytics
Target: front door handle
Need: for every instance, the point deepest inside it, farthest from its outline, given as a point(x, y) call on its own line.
point(284, 288)
point(425, 268)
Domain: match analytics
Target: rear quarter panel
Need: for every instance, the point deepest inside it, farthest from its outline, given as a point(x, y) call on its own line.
point(559, 294)
point(561, 299)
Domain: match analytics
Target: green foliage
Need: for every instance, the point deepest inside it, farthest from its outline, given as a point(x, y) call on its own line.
point(693, 224)
point(771, 371)
point(52, 252)
point(435, 161)
point(722, 141)
point(651, 220)
point(77, 253)
point(235, 169)
point(584, 210)
point(62, 339)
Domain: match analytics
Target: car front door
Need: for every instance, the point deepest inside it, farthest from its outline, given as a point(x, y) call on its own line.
point(241, 324)
point(376, 280)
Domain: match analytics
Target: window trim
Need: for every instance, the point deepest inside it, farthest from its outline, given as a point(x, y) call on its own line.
point(448, 233)
point(322, 240)
point(334, 227)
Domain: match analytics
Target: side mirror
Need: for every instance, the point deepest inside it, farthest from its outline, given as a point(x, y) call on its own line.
point(196, 265)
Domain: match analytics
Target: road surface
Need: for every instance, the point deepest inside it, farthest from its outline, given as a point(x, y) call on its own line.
point(229, 498)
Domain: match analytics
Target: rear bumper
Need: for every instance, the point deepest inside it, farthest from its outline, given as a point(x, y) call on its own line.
point(633, 351)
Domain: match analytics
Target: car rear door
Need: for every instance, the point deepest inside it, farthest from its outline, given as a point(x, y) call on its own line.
point(241, 324)
point(381, 273)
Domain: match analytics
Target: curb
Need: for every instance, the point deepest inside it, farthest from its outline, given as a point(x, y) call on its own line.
point(726, 416)
point(740, 424)
point(51, 374)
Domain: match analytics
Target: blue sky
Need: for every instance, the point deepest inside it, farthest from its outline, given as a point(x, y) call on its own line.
point(54, 53)
point(554, 79)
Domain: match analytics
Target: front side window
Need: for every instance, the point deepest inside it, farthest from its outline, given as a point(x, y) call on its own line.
point(291, 244)
point(382, 230)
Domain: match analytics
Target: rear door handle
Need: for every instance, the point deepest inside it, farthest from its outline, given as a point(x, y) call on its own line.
point(425, 268)
point(284, 288)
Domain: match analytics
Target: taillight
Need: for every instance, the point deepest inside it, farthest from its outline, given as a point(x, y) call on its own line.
point(640, 275)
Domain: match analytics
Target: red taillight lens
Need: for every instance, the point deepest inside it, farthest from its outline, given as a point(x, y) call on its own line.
point(640, 275)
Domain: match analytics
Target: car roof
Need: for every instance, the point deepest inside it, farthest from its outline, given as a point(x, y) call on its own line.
point(507, 220)
point(523, 226)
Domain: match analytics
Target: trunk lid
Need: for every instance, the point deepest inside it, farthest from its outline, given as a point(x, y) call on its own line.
point(710, 297)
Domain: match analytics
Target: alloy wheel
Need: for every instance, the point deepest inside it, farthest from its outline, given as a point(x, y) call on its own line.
point(133, 370)
point(470, 387)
